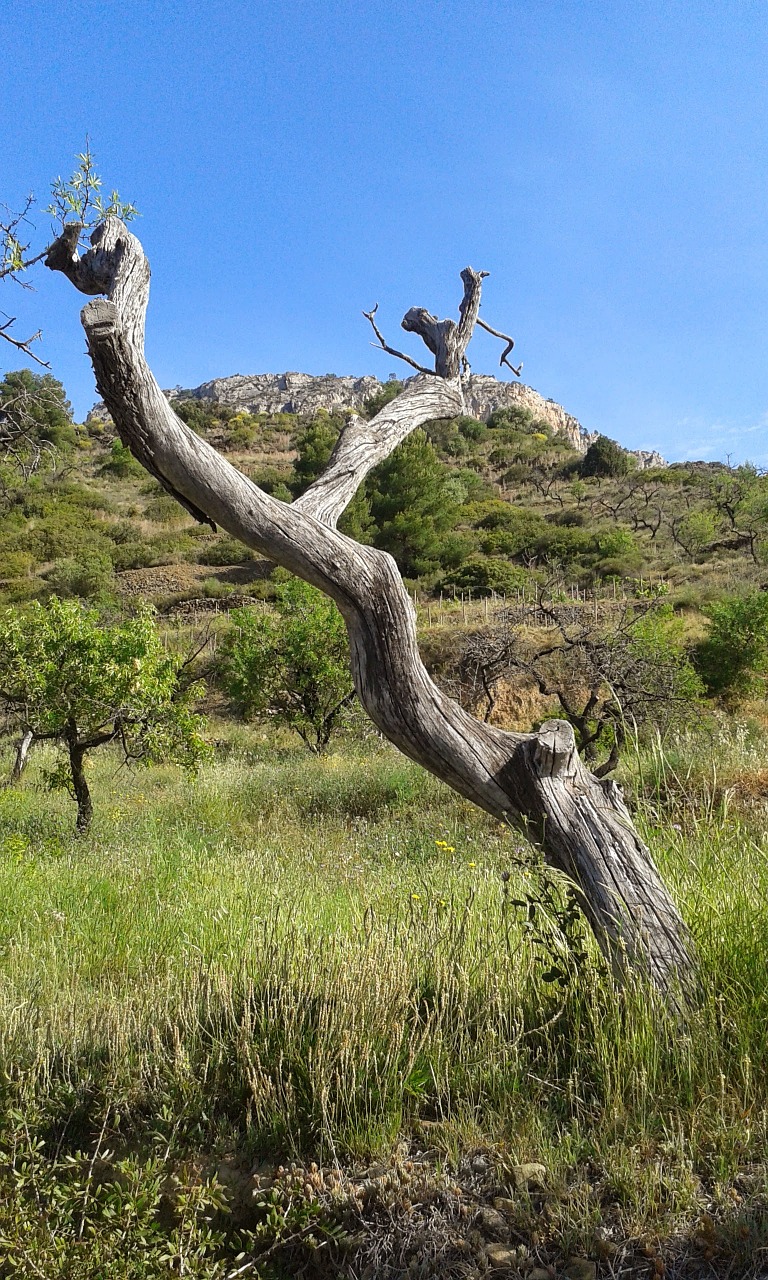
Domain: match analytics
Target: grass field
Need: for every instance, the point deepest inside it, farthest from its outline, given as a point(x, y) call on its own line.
point(287, 1014)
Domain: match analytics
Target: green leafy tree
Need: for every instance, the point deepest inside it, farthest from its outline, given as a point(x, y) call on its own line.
point(733, 657)
point(67, 677)
point(605, 457)
point(314, 446)
point(291, 664)
point(414, 500)
point(35, 420)
point(380, 399)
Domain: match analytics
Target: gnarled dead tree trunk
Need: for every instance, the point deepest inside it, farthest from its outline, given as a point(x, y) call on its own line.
point(534, 780)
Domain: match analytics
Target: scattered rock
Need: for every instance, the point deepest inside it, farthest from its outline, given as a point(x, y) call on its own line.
point(530, 1177)
point(505, 1205)
point(749, 1181)
point(605, 1247)
point(580, 1269)
point(501, 1257)
point(540, 1273)
point(492, 1223)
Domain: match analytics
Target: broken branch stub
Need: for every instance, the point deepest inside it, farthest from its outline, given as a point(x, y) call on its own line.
point(533, 780)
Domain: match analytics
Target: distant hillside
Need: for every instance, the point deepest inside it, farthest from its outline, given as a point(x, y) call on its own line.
point(471, 505)
point(304, 393)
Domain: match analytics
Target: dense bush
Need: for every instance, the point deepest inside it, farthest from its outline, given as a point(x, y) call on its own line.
point(313, 449)
point(165, 510)
point(375, 403)
point(486, 574)
point(733, 658)
point(86, 577)
point(291, 664)
point(223, 551)
point(605, 457)
point(121, 462)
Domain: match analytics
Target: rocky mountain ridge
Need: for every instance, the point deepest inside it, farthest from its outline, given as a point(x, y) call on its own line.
point(305, 393)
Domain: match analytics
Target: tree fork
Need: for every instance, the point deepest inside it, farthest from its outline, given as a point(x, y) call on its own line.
point(535, 781)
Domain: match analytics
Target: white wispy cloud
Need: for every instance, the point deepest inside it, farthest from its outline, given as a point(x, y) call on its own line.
point(721, 441)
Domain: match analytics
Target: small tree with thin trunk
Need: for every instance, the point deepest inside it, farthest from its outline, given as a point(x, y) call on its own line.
point(291, 664)
point(65, 677)
point(536, 781)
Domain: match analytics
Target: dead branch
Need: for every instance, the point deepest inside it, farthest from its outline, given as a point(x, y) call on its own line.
point(399, 355)
point(510, 344)
point(22, 344)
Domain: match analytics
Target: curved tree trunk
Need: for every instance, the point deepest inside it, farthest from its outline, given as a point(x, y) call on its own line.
point(533, 780)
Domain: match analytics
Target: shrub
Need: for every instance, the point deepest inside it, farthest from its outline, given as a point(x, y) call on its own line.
point(485, 574)
point(605, 457)
point(132, 555)
point(16, 564)
point(222, 552)
point(83, 577)
point(165, 510)
point(733, 657)
point(241, 431)
point(291, 665)
point(121, 462)
point(273, 481)
point(375, 403)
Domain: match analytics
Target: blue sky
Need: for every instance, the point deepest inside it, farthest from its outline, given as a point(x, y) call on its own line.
point(296, 162)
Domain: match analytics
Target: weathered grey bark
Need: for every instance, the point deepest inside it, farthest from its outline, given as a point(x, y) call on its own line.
point(22, 754)
point(534, 780)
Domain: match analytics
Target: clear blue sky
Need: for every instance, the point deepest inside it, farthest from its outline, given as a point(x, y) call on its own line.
point(298, 161)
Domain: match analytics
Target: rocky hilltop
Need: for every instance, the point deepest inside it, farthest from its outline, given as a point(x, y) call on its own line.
point(305, 393)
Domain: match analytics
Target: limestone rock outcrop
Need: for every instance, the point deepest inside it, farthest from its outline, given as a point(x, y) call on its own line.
point(302, 393)
point(484, 394)
point(306, 393)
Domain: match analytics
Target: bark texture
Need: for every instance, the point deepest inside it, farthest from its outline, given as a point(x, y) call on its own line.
point(77, 754)
point(533, 780)
point(21, 756)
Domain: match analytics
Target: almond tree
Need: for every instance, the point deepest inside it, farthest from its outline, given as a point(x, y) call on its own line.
point(535, 780)
point(65, 677)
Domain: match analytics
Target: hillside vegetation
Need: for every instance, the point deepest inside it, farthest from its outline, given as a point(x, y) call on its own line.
point(468, 506)
point(292, 1007)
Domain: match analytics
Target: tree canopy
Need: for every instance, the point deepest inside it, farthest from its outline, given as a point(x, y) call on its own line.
point(67, 676)
point(291, 664)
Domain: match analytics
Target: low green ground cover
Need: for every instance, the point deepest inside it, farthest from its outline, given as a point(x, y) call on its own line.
point(338, 960)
